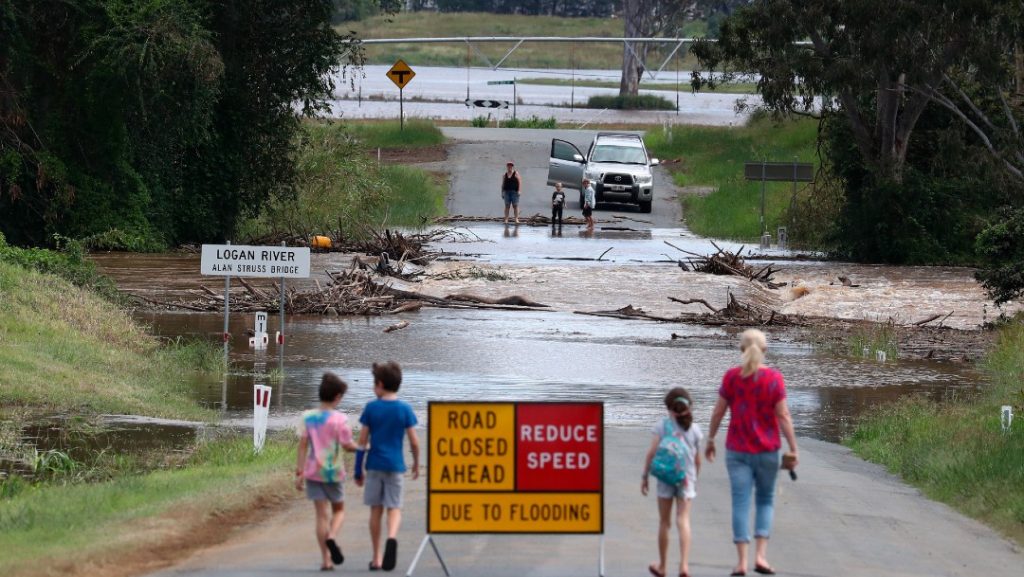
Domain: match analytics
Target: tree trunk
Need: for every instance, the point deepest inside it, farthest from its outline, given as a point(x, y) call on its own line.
point(632, 66)
point(1018, 55)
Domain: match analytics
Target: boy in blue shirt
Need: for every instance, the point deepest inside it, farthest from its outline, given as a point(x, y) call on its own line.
point(385, 422)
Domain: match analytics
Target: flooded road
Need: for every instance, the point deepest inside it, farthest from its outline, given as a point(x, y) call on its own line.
point(453, 354)
point(532, 355)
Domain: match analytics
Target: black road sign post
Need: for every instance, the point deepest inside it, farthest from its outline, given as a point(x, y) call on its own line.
point(401, 74)
point(777, 172)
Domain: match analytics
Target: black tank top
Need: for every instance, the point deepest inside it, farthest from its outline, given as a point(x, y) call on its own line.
point(510, 182)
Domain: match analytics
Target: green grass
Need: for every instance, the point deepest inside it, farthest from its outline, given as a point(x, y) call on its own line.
point(64, 349)
point(414, 197)
point(417, 133)
point(341, 189)
point(955, 451)
point(41, 525)
point(683, 86)
point(528, 55)
point(714, 157)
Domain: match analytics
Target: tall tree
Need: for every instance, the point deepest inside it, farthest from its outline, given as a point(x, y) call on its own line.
point(879, 63)
point(644, 19)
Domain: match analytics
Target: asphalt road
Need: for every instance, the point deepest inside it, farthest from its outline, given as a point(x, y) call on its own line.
point(842, 518)
point(477, 160)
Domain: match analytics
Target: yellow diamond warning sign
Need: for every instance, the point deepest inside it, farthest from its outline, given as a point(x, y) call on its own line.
point(400, 73)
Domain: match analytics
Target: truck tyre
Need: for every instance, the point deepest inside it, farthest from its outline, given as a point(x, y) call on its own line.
point(645, 206)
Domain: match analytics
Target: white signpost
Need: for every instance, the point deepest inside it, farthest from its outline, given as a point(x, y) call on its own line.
point(228, 260)
point(259, 338)
point(1006, 418)
point(260, 411)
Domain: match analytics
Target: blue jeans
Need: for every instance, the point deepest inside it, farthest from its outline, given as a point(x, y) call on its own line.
point(752, 473)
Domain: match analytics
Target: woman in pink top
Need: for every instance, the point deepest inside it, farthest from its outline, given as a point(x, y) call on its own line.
point(756, 398)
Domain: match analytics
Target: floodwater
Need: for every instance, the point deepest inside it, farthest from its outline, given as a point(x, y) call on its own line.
point(556, 354)
point(440, 92)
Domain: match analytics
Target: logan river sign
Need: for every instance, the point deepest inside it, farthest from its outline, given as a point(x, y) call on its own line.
point(255, 261)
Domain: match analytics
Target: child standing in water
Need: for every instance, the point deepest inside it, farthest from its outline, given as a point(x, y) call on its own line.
point(324, 433)
point(557, 203)
point(679, 423)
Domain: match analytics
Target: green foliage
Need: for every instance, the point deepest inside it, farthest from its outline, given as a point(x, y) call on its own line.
point(417, 133)
point(68, 262)
point(341, 189)
point(933, 215)
point(137, 123)
point(628, 102)
point(955, 451)
point(713, 157)
point(124, 240)
point(77, 353)
point(481, 121)
point(413, 197)
point(879, 73)
point(1001, 245)
point(223, 475)
point(531, 122)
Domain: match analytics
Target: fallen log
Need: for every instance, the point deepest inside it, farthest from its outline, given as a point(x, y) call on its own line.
point(694, 301)
point(397, 326)
point(514, 300)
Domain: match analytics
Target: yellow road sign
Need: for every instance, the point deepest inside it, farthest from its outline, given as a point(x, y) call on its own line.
point(515, 467)
point(401, 74)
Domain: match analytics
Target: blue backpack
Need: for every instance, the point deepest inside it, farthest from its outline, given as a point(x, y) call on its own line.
point(669, 464)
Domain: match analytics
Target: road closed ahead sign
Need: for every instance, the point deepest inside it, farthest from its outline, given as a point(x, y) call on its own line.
point(515, 468)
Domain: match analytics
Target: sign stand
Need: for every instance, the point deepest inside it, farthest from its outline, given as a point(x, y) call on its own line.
point(542, 471)
point(401, 74)
point(427, 539)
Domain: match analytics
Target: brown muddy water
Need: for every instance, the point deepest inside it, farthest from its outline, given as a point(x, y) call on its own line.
point(558, 355)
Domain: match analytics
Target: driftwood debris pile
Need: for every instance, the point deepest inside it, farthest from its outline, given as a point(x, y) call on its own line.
point(724, 262)
point(397, 247)
point(354, 292)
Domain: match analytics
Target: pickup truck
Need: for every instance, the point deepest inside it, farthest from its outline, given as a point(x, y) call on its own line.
point(616, 163)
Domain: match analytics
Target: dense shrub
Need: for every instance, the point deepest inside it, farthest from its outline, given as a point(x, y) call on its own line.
point(531, 122)
point(641, 102)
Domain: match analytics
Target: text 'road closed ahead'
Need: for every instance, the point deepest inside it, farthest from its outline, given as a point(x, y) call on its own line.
point(515, 468)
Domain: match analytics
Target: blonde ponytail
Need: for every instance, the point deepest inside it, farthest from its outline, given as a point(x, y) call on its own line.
point(753, 344)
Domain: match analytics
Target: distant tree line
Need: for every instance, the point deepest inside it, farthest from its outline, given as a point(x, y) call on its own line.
point(167, 120)
point(565, 8)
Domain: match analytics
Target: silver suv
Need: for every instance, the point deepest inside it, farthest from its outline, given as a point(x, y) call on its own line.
point(616, 163)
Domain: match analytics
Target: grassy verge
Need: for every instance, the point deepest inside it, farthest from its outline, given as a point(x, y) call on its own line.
point(414, 196)
point(683, 86)
point(342, 189)
point(714, 157)
point(416, 133)
point(955, 452)
point(530, 55)
point(142, 521)
point(63, 349)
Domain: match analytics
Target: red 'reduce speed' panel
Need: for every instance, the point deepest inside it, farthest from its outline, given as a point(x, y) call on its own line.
point(559, 447)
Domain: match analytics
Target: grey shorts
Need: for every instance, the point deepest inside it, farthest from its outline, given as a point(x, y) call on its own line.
point(383, 489)
point(511, 197)
point(680, 491)
point(317, 491)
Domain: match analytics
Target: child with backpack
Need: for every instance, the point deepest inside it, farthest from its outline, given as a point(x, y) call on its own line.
point(674, 460)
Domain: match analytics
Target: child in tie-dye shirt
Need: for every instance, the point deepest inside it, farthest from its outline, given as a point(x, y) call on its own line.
point(324, 432)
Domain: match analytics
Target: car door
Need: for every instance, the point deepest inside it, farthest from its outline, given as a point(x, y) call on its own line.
point(565, 165)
